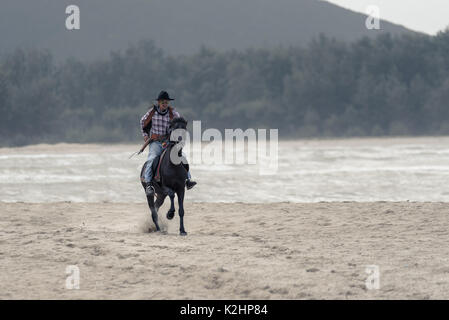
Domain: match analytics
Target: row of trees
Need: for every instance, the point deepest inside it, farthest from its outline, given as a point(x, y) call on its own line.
point(383, 86)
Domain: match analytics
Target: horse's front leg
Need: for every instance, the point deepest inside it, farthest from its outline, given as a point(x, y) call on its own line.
point(171, 211)
point(150, 200)
point(180, 194)
point(159, 201)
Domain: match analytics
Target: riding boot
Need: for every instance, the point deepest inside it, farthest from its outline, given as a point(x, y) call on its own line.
point(190, 184)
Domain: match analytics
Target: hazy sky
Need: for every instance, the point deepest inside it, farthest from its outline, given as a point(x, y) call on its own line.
point(429, 16)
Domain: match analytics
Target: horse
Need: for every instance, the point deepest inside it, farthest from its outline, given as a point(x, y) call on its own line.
point(173, 175)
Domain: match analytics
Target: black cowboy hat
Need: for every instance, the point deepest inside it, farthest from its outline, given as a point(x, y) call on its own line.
point(163, 95)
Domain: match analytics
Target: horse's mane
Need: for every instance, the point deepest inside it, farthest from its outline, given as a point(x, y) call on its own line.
point(178, 120)
point(173, 125)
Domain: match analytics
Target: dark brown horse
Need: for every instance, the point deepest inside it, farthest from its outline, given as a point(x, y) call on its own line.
point(173, 174)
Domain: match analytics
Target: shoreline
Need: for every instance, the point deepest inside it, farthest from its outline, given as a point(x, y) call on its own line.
point(224, 202)
point(312, 140)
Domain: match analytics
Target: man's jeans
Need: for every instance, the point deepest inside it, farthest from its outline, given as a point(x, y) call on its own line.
point(155, 149)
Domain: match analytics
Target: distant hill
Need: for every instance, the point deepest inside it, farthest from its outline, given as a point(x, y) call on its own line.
point(177, 26)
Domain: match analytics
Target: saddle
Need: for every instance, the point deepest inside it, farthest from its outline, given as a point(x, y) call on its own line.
point(156, 167)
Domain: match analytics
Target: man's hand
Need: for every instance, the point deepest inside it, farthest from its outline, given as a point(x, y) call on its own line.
point(146, 138)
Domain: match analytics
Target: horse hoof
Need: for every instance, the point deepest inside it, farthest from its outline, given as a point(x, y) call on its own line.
point(170, 214)
point(183, 233)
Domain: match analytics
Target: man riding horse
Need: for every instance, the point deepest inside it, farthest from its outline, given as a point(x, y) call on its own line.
point(154, 126)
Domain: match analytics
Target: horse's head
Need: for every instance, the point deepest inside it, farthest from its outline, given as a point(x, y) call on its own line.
point(177, 129)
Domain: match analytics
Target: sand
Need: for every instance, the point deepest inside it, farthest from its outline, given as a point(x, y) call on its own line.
point(233, 251)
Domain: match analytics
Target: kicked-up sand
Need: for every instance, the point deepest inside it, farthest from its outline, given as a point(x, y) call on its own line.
point(323, 250)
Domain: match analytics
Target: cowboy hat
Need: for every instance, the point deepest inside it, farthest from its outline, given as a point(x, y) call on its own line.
point(163, 95)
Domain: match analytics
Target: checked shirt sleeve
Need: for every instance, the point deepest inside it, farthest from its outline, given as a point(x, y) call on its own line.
point(142, 121)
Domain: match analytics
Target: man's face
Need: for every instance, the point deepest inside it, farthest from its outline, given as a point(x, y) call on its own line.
point(163, 104)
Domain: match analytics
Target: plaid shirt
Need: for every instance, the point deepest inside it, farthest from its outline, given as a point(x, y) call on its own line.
point(159, 122)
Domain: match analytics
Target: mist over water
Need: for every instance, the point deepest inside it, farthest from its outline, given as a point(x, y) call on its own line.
point(390, 169)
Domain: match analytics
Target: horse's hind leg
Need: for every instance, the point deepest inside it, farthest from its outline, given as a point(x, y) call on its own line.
point(171, 211)
point(180, 194)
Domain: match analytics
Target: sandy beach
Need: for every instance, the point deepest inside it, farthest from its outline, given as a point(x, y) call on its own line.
point(233, 251)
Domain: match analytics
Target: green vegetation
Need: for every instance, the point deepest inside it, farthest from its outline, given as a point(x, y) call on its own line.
point(384, 86)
